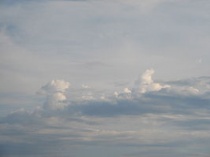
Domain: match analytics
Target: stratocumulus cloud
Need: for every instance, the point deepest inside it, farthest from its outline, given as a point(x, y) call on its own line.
point(151, 119)
point(145, 97)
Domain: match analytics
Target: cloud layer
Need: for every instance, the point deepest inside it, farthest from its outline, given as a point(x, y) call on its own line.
point(100, 47)
point(172, 116)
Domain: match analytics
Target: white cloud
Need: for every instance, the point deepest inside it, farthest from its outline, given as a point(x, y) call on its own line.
point(125, 94)
point(55, 92)
point(146, 84)
point(127, 91)
point(146, 77)
point(116, 94)
point(56, 86)
point(55, 101)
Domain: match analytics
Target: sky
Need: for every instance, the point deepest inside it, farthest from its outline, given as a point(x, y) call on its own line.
point(96, 78)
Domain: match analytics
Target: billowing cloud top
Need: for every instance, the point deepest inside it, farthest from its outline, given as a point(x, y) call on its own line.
point(146, 84)
point(56, 86)
point(55, 91)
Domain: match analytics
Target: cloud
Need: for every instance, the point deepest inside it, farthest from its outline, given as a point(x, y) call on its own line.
point(146, 84)
point(56, 86)
point(125, 94)
point(55, 101)
point(55, 92)
point(151, 119)
point(127, 91)
point(24, 117)
point(146, 97)
point(197, 86)
point(147, 119)
point(85, 86)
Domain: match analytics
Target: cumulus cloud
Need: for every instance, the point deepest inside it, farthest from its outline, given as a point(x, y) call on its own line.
point(55, 86)
point(55, 99)
point(127, 91)
point(146, 84)
point(55, 92)
point(116, 94)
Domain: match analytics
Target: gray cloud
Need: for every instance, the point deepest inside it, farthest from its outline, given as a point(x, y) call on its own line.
point(175, 100)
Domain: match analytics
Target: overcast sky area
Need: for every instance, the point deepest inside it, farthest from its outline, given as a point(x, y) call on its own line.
point(104, 78)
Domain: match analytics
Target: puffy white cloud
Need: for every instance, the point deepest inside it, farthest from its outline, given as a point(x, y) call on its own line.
point(146, 77)
point(146, 84)
point(116, 94)
point(127, 91)
point(55, 101)
point(55, 91)
point(56, 86)
point(125, 94)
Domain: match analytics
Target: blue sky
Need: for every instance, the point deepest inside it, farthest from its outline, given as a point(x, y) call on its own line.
point(100, 78)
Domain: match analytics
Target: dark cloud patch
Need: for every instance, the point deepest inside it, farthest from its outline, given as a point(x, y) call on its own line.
point(40, 149)
point(198, 82)
point(179, 103)
point(22, 117)
point(149, 103)
point(108, 109)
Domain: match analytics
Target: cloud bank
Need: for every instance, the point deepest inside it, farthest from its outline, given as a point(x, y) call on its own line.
point(146, 96)
point(150, 115)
